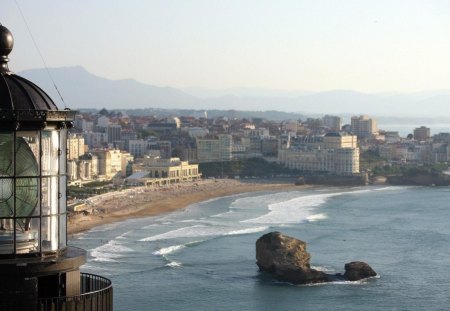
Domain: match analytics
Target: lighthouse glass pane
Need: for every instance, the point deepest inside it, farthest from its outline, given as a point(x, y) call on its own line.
point(27, 153)
point(6, 197)
point(50, 152)
point(27, 196)
point(6, 154)
point(63, 153)
point(62, 231)
point(62, 194)
point(6, 174)
point(27, 240)
point(6, 236)
point(49, 195)
point(50, 231)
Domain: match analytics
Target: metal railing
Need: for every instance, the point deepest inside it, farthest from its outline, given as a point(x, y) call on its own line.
point(96, 295)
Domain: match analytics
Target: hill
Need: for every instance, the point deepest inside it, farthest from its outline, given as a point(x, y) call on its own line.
point(82, 89)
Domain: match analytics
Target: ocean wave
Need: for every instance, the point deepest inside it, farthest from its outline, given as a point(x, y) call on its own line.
point(316, 217)
point(109, 252)
point(247, 231)
point(392, 188)
point(343, 282)
point(169, 249)
point(322, 268)
point(295, 210)
point(123, 235)
point(185, 232)
point(174, 264)
point(150, 226)
point(210, 231)
point(299, 209)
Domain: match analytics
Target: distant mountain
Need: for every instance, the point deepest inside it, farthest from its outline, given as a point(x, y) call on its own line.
point(242, 92)
point(82, 89)
point(214, 113)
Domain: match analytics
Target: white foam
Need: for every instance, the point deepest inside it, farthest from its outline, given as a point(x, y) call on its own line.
point(392, 188)
point(322, 268)
point(168, 250)
point(295, 210)
point(316, 217)
point(173, 264)
point(299, 209)
point(223, 214)
point(186, 232)
point(247, 231)
point(109, 252)
point(123, 235)
point(204, 231)
point(150, 226)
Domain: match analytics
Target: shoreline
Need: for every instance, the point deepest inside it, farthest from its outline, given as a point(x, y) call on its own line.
point(152, 201)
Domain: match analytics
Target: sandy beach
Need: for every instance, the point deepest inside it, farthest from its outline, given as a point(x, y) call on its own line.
point(150, 201)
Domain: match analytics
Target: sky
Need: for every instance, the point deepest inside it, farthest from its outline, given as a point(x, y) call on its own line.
point(320, 45)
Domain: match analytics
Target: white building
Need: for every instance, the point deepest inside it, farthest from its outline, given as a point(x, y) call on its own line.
point(341, 161)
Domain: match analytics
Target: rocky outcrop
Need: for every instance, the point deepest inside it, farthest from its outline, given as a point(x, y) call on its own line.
point(357, 270)
point(420, 180)
point(287, 259)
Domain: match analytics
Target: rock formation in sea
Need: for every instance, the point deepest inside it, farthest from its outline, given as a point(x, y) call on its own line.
point(287, 259)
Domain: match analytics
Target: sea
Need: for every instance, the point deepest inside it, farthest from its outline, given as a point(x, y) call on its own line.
point(203, 257)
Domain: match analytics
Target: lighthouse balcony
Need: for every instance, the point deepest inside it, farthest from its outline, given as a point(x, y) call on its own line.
point(96, 293)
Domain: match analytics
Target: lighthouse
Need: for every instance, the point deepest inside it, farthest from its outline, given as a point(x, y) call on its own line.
point(38, 270)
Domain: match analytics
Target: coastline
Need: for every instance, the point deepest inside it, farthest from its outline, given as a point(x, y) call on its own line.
point(143, 201)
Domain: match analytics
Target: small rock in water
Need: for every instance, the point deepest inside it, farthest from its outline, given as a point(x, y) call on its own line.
point(357, 270)
point(287, 259)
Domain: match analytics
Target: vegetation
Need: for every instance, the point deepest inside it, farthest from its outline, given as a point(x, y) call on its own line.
point(253, 167)
point(371, 159)
point(88, 189)
point(410, 171)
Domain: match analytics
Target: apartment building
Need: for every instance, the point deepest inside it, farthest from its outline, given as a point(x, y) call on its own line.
point(341, 161)
point(363, 126)
point(75, 146)
point(214, 149)
point(332, 123)
point(421, 133)
point(336, 140)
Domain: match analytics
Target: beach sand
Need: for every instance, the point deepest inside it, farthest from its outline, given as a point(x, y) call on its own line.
point(150, 201)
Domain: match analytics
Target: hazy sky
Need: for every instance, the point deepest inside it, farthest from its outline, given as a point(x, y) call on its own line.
point(315, 45)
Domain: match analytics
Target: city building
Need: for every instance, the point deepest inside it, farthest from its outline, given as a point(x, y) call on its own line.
point(109, 162)
point(214, 149)
point(342, 161)
point(407, 152)
point(421, 133)
point(363, 126)
point(138, 147)
point(336, 140)
point(75, 146)
point(96, 139)
point(157, 171)
point(172, 167)
point(114, 132)
point(332, 123)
